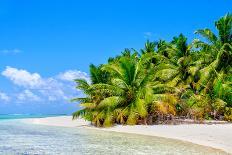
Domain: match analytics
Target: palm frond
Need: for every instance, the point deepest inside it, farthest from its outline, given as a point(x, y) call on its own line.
point(208, 34)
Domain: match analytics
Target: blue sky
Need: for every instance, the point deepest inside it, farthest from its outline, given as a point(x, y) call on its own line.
point(44, 44)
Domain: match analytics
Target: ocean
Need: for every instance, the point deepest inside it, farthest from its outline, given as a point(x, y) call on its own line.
point(17, 137)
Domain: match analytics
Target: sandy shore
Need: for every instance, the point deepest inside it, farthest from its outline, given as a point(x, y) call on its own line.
point(217, 136)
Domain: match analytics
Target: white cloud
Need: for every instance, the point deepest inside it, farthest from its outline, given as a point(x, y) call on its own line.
point(4, 97)
point(56, 90)
point(22, 77)
point(71, 75)
point(27, 95)
point(60, 88)
point(10, 51)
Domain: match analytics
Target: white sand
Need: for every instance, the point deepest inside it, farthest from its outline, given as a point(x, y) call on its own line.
point(62, 121)
point(217, 136)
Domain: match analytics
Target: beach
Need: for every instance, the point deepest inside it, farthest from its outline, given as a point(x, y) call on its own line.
point(216, 135)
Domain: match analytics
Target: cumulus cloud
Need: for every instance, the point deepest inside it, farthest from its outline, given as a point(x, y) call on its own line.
point(4, 97)
point(22, 77)
point(10, 51)
point(27, 95)
point(55, 90)
point(60, 87)
point(71, 75)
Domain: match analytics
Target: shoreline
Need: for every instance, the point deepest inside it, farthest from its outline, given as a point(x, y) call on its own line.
point(217, 136)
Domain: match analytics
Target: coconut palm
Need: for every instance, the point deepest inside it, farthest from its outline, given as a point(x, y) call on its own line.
point(216, 65)
point(123, 101)
point(97, 76)
point(165, 79)
point(218, 50)
point(217, 46)
point(130, 96)
point(149, 47)
point(177, 69)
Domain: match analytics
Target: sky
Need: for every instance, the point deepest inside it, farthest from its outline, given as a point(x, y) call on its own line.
point(44, 45)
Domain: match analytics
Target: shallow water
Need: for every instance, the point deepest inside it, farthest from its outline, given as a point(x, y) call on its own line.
point(21, 116)
point(19, 138)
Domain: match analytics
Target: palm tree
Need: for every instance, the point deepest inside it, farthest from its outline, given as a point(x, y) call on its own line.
point(130, 96)
point(177, 69)
point(149, 47)
point(123, 97)
point(216, 66)
point(217, 47)
point(164, 80)
point(97, 76)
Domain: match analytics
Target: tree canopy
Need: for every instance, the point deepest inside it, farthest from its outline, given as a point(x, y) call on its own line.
point(163, 80)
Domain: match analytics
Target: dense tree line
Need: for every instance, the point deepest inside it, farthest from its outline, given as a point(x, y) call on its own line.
point(162, 81)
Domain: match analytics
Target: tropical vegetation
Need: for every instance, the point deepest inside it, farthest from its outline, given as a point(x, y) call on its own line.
point(162, 81)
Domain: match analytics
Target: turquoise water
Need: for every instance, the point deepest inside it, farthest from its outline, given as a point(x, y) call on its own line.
point(19, 138)
point(20, 116)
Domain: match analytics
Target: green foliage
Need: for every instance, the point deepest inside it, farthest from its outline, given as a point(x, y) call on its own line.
point(163, 80)
point(228, 114)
